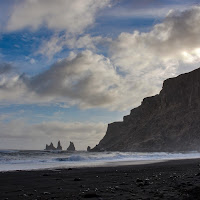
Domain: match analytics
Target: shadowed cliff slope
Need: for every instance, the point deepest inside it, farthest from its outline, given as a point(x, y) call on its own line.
point(169, 121)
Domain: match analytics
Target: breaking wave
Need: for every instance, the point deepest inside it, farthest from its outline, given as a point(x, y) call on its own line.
point(27, 160)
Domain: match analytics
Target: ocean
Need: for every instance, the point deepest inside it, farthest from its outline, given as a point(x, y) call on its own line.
point(33, 160)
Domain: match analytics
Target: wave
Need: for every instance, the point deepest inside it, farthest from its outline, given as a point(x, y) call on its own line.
point(118, 156)
point(9, 151)
point(72, 158)
point(13, 160)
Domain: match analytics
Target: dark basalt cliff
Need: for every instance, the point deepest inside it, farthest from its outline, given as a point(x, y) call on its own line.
point(169, 121)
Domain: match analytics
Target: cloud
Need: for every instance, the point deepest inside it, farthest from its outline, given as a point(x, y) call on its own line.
point(50, 47)
point(35, 136)
point(170, 48)
point(32, 61)
point(57, 43)
point(67, 19)
point(5, 68)
point(71, 16)
point(86, 41)
point(138, 64)
point(175, 39)
point(85, 79)
point(12, 88)
point(152, 9)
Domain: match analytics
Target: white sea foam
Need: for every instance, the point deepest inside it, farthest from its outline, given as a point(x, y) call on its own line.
point(27, 160)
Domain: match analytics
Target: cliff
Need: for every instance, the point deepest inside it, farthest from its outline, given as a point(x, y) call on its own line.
point(168, 121)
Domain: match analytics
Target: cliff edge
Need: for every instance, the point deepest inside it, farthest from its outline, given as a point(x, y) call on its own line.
point(168, 121)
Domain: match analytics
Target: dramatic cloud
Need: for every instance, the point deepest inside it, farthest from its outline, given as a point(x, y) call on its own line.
point(71, 16)
point(86, 79)
point(138, 64)
point(170, 48)
point(18, 132)
point(89, 79)
point(176, 39)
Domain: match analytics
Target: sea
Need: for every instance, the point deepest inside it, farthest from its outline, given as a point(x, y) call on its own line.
point(11, 160)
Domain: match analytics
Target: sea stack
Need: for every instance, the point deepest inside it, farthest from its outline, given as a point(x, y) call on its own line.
point(59, 147)
point(88, 148)
point(71, 147)
point(165, 122)
point(50, 147)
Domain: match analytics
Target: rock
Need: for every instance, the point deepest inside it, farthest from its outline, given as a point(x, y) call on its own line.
point(90, 195)
point(46, 175)
point(77, 179)
point(71, 147)
point(164, 122)
point(59, 147)
point(50, 147)
point(139, 180)
point(88, 148)
point(117, 187)
point(46, 193)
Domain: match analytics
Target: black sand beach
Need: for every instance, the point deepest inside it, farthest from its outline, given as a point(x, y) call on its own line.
point(179, 179)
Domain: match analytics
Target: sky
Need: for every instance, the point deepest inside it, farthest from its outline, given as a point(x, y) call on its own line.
point(68, 68)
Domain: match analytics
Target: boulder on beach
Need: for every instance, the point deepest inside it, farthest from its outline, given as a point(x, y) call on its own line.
point(71, 147)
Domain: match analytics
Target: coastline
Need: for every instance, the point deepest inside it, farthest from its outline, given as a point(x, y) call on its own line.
point(174, 179)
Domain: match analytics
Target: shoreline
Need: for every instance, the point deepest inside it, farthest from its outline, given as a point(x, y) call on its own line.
point(174, 179)
point(93, 165)
point(51, 161)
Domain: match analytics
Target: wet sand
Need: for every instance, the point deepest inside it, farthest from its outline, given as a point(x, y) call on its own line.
point(178, 179)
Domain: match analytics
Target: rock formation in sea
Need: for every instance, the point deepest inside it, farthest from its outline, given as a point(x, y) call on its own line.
point(168, 121)
point(88, 148)
point(59, 147)
point(50, 147)
point(71, 147)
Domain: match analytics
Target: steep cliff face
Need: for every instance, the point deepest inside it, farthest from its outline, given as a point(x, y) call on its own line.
point(169, 121)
